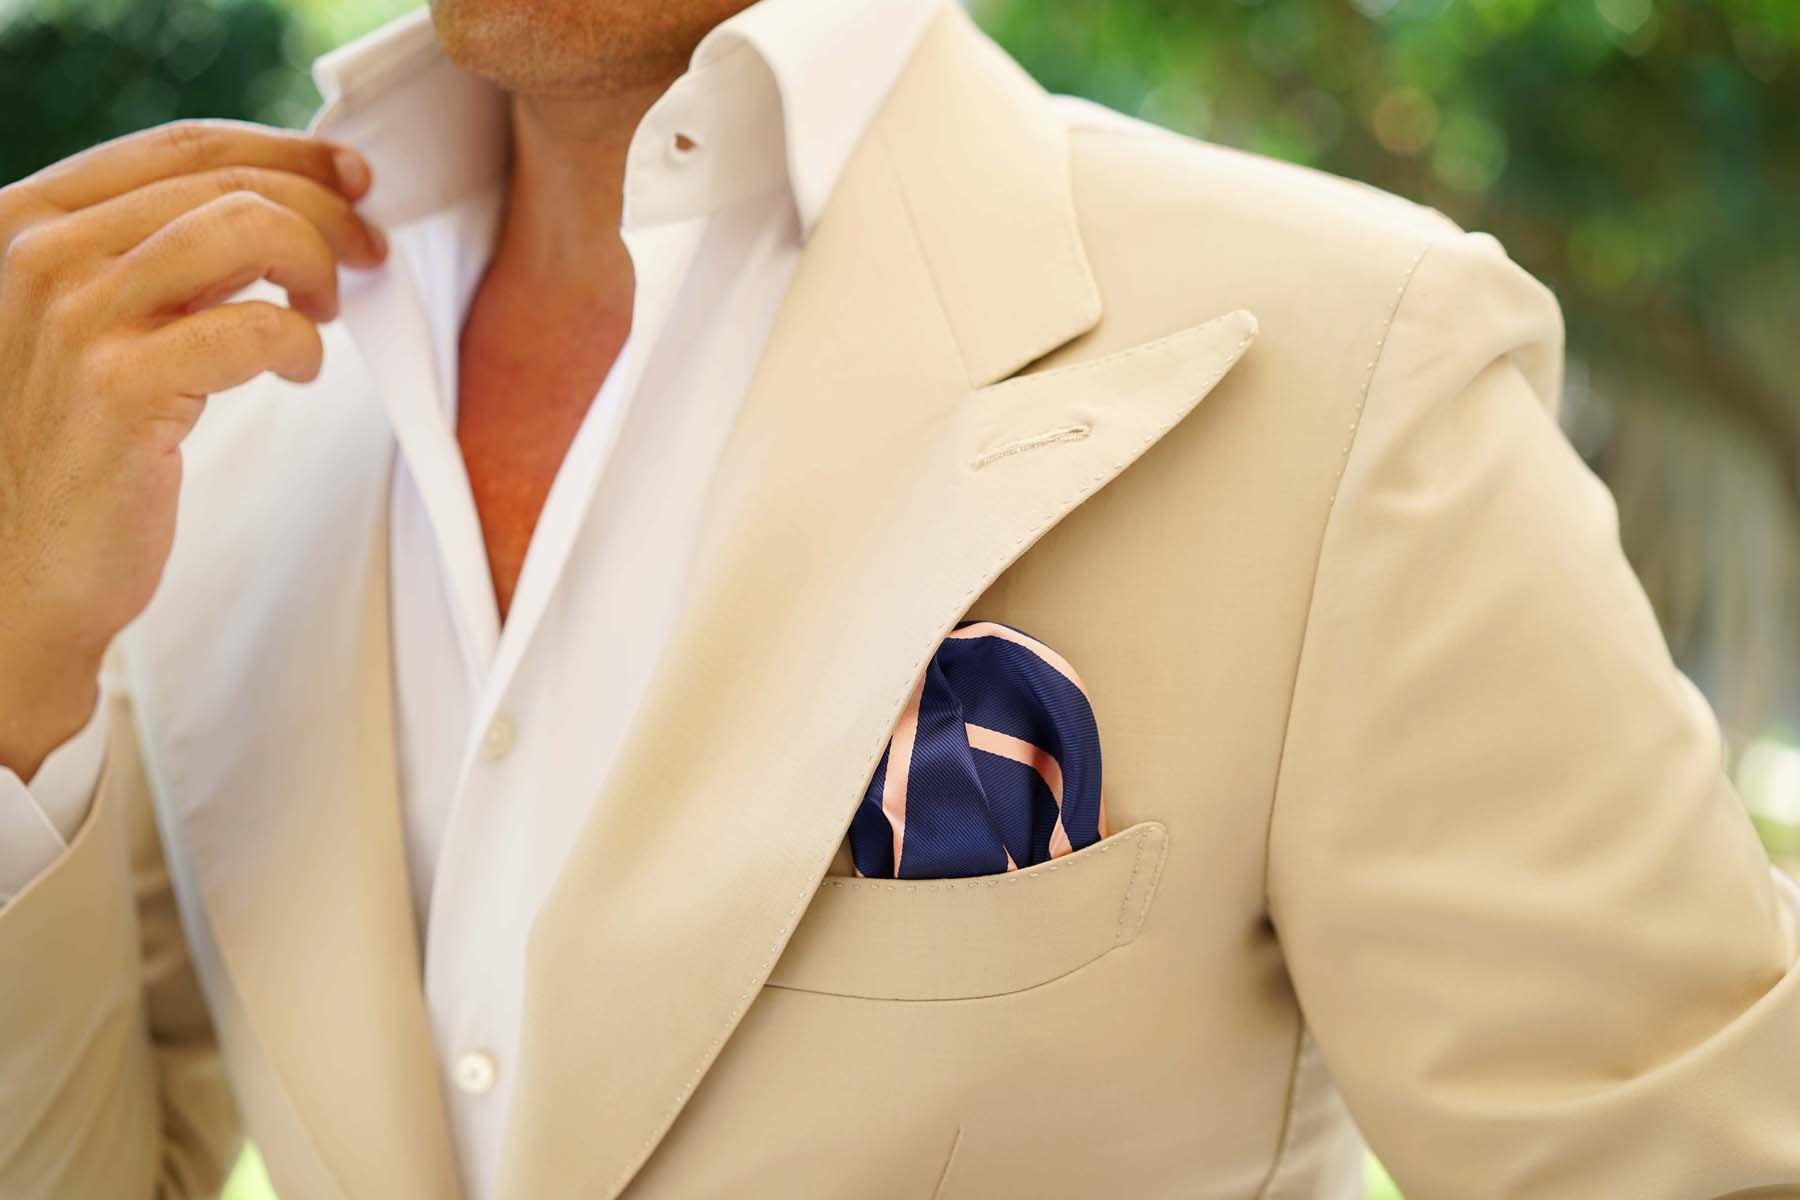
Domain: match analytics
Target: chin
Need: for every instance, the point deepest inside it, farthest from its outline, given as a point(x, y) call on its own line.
point(575, 47)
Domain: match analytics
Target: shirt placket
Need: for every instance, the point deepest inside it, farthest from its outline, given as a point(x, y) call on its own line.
point(504, 763)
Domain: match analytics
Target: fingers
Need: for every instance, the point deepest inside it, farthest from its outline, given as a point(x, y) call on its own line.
point(210, 252)
point(116, 225)
point(225, 346)
point(190, 147)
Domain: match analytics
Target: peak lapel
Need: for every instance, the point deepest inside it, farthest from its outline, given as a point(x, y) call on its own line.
point(881, 473)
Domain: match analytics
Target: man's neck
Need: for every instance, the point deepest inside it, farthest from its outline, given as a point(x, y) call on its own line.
point(560, 238)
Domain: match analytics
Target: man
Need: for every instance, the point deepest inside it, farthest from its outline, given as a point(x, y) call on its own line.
point(467, 813)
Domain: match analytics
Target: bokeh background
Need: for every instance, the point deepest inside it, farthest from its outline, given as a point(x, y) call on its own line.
point(1642, 157)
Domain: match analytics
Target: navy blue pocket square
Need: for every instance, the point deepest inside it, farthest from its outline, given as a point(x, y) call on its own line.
point(994, 764)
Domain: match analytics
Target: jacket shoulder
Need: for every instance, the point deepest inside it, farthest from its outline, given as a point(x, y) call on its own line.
point(1178, 230)
point(1122, 158)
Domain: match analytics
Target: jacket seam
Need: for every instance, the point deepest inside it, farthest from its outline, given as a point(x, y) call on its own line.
point(912, 226)
point(1356, 422)
point(1285, 1141)
point(937, 1193)
point(1137, 863)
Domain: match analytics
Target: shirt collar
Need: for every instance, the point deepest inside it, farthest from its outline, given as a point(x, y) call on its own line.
point(393, 93)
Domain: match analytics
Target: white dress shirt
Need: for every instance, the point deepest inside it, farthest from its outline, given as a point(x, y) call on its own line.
point(505, 732)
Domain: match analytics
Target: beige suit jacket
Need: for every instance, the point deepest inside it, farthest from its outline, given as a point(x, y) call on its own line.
point(1414, 818)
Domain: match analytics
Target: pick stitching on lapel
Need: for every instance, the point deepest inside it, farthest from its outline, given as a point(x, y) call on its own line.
point(862, 502)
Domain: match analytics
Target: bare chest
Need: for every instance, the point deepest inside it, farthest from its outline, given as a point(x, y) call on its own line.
point(526, 380)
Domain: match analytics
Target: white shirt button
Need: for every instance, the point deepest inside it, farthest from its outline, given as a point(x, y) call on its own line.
point(500, 737)
point(474, 1071)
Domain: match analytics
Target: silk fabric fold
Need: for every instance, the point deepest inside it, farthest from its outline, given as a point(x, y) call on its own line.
point(994, 764)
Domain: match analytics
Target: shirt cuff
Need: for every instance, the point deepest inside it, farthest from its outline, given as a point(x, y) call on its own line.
point(37, 821)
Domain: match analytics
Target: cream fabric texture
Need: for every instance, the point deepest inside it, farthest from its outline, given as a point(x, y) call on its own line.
point(1414, 818)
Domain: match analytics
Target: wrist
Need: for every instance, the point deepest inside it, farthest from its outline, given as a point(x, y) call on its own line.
point(47, 693)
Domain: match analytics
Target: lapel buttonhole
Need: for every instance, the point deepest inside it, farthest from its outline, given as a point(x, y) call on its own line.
point(1062, 433)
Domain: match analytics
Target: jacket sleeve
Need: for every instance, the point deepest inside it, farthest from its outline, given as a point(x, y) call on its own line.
point(1528, 920)
point(111, 1082)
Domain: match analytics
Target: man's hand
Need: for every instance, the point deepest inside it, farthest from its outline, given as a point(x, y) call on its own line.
point(114, 266)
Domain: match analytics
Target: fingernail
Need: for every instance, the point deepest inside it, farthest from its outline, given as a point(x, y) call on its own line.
point(352, 172)
point(379, 241)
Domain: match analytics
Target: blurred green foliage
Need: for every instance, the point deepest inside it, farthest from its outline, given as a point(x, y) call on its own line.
point(1642, 156)
point(72, 75)
point(76, 72)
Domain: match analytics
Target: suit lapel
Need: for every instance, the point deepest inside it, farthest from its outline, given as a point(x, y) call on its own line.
point(279, 772)
point(881, 473)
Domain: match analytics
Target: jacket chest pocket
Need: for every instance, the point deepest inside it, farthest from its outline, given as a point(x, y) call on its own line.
point(987, 935)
